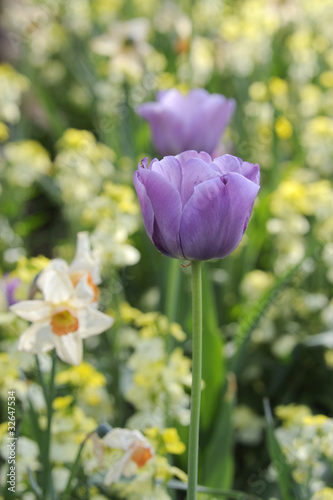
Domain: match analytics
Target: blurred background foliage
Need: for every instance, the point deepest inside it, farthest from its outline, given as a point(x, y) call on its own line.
point(71, 75)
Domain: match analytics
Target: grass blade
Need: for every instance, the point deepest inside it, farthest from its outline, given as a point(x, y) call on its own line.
point(217, 463)
point(213, 366)
point(288, 487)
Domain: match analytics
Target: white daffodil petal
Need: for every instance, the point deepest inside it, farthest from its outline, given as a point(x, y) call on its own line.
point(122, 439)
point(37, 338)
point(85, 260)
point(114, 473)
point(32, 310)
point(93, 322)
point(55, 285)
point(130, 468)
point(84, 293)
point(105, 45)
point(69, 348)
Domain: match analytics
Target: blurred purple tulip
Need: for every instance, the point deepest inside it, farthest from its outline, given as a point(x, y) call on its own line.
point(193, 207)
point(10, 286)
point(195, 121)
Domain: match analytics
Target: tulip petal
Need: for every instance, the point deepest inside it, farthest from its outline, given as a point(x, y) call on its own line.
point(167, 128)
point(195, 171)
point(37, 338)
point(188, 155)
point(169, 167)
point(216, 113)
point(32, 310)
point(69, 348)
point(166, 205)
point(145, 204)
point(93, 322)
point(251, 171)
point(216, 216)
point(228, 163)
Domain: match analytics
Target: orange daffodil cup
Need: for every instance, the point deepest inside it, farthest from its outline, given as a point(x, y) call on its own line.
point(68, 312)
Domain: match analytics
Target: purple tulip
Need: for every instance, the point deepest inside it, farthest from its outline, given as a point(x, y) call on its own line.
point(195, 121)
point(10, 286)
point(193, 207)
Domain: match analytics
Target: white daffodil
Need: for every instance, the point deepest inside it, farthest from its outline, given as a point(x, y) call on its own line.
point(68, 312)
point(85, 261)
point(137, 452)
point(126, 46)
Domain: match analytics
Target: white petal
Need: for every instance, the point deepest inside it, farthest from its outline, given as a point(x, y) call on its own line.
point(85, 259)
point(69, 348)
point(84, 294)
point(93, 322)
point(105, 45)
point(114, 473)
point(37, 338)
point(32, 310)
point(55, 285)
point(130, 468)
point(122, 439)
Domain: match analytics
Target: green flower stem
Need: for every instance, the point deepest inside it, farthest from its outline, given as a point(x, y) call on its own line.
point(74, 470)
point(47, 477)
point(193, 448)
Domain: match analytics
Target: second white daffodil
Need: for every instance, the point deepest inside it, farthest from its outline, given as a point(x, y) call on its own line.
point(68, 312)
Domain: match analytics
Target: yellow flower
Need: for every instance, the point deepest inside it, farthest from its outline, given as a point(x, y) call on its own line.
point(321, 125)
point(324, 494)
point(326, 79)
point(152, 432)
point(292, 413)
point(82, 375)
point(317, 420)
point(26, 161)
point(283, 128)
point(258, 91)
point(278, 87)
point(177, 332)
point(76, 139)
point(61, 403)
point(172, 441)
point(128, 313)
point(162, 468)
point(27, 269)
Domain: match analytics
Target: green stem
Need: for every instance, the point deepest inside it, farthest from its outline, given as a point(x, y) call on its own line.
point(74, 470)
point(193, 448)
point(47, 478)
point(41, 378)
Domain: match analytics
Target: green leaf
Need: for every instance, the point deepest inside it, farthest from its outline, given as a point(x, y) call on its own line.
point(34, 484)
point(287, 485)
point(213, 366)
point(217, 463)
point(230, 494)
point(252, 319)
point(74, 470)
